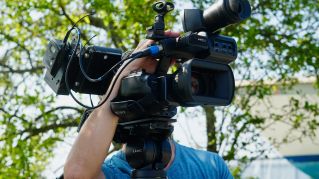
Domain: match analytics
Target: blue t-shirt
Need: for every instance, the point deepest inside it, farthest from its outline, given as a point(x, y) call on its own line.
point(188, 163)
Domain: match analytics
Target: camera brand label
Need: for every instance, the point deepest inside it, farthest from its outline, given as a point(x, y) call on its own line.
point(137, 150)
point(202, 40)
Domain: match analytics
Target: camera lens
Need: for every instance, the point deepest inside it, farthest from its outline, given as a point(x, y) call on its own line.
point(201, 82)
point(197, 84)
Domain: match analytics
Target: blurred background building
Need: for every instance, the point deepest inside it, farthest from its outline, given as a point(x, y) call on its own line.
point(298, 157)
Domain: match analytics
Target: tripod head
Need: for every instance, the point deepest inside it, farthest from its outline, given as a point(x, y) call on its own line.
point(148, 158)
point(147, 150)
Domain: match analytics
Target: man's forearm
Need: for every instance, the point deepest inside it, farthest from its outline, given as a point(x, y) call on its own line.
point(92, 144)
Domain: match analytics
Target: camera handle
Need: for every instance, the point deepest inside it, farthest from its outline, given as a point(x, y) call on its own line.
point(157, 31)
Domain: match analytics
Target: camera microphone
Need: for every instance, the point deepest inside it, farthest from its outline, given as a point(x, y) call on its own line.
point(226, 12)
point(219, 15)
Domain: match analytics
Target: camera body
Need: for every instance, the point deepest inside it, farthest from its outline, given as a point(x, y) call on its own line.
point(200, 79)
point(217, 50)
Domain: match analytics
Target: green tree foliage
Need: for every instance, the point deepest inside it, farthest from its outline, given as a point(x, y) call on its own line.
point(278, 43)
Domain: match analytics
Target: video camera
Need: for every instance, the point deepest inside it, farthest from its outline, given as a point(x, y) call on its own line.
point(146, 102)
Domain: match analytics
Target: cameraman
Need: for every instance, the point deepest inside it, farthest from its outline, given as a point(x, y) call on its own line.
point(86, 158)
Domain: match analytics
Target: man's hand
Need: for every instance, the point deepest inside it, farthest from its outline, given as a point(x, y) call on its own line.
point(146, 63)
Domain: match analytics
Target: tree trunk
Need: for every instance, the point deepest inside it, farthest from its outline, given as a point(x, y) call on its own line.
point(210, 127)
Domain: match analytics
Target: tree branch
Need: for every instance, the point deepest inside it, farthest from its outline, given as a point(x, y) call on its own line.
point(98, 22)
point(36, 131)
point(68, 17)
point(56, 109)
point(20, 71)
point(43, 129)
point(64, 13)
point(12, 115)
point(230, 154)
point(22, 46)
